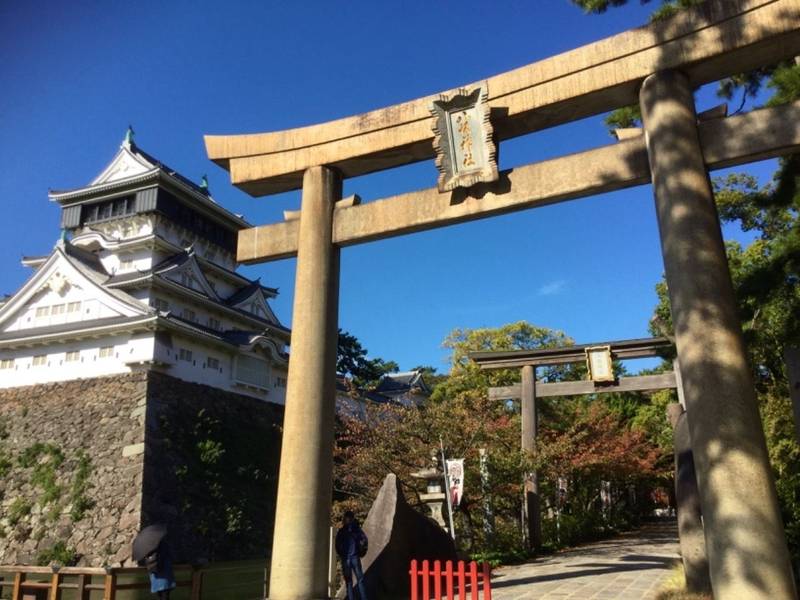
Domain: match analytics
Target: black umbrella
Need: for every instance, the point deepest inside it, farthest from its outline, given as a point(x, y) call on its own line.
point(147, 540)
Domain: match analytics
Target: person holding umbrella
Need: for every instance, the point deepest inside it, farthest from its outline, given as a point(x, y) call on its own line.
point(150, 549)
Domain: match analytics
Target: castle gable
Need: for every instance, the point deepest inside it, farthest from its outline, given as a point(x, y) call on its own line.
point(125, 165)
point(184, 269)
point(251, 299)
point(65, 290)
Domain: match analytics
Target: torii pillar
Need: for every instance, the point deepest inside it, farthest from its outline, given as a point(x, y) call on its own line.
point(530, 428)
point(302, 516)
point(745, 540)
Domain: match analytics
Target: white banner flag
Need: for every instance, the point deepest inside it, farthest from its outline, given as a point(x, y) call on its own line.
point(455, 475)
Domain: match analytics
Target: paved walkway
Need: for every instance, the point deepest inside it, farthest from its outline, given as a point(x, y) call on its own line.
point(632, 566)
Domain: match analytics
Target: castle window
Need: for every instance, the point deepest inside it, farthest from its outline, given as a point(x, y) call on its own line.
point(212, 363)
point(126, 264)
point(73, 307)
point(39, 360)
point(58, 309)
point(252, 371)
point(106, 352)
point(189, 314)
point(7, 363)
point(106, 210)
point(184, 354)
point(214, 324)
point(160, 304)
point(73, 356)
point(42, 311)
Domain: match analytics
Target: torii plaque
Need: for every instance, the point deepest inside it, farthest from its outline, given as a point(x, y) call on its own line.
point(463, 142)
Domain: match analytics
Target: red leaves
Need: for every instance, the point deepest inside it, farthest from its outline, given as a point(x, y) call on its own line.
point(597, 442)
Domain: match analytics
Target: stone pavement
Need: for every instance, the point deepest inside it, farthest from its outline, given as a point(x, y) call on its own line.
point(632, 566)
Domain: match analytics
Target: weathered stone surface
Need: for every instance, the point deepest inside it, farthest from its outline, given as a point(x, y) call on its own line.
point(745, 540)
point(717, 39)
point(617, 166)
point(138, 431)
point(210, 469)
point(397, 534)
point(92, 416)
point(690, 520)
point(302, 519)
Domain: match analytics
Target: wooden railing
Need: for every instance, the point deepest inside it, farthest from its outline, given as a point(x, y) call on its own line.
point(461, 578)
point(85, 583)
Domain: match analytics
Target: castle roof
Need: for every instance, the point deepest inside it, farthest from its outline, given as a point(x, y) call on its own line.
point(71, 265)
point(132, 168)
point(397, 384)
point(164, 273)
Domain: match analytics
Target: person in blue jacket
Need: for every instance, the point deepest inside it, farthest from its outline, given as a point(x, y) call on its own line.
point(351, 545)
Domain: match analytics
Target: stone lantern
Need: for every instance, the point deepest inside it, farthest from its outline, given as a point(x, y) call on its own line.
point(434, 490)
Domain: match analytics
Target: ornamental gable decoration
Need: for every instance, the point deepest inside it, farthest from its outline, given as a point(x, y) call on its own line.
point(463, 138)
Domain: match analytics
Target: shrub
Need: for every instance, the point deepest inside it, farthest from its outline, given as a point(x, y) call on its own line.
point(19, 508)
point(59, 554)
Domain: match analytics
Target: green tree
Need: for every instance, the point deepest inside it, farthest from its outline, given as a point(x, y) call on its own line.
point(352, 361)
point(783, 77)
point(591, 441)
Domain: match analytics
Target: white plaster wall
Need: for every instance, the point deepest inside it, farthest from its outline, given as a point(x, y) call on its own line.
point(221, 286)
point(178, 303)
point(167, 351)
point(126, 228)
point(181, 237)
point(126, 351)
point(126, 261)
point(90, 308)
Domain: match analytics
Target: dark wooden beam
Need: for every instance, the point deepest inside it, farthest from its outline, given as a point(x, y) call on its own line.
point(641, 383)
point(624, 349)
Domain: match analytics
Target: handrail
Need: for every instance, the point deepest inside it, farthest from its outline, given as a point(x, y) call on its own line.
point(109, 584)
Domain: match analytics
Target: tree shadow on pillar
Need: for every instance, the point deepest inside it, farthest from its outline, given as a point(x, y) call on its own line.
point(744, 536)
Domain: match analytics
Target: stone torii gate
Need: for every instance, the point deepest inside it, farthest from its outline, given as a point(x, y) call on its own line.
point(529, 390)
point(659, 66)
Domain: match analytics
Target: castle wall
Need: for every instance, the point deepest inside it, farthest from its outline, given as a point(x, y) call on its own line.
point(211, 469)
point(88, 462)
point(48, 492)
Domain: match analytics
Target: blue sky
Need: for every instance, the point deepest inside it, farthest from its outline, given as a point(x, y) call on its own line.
point(75, 74)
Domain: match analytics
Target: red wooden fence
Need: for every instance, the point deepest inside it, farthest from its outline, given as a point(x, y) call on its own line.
point(424, 575)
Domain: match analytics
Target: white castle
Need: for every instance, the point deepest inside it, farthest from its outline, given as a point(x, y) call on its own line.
point(144, 277)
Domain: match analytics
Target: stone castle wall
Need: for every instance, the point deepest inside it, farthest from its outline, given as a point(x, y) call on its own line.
point(84, 464)
point(211, 469)
point(70, 468)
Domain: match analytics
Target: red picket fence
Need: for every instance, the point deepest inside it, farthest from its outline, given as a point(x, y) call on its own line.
point(466, 574)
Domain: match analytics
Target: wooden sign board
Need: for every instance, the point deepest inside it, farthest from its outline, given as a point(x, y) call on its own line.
point(463, 138)
point(599, 363)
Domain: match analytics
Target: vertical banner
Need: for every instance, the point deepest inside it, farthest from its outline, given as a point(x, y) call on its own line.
point(455, 475)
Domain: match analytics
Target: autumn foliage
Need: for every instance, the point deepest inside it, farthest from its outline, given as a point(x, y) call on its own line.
point(582, 441)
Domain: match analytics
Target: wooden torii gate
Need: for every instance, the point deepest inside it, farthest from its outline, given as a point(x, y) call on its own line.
point(658, 66)
point(529, 389)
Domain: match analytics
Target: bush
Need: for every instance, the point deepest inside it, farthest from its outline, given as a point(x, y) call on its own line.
point(19, 508)
point(59, 554)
